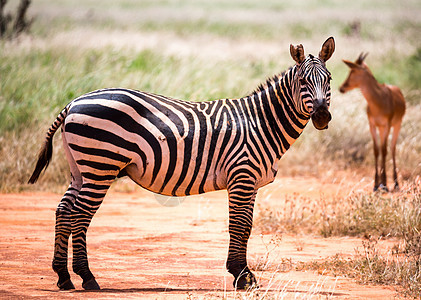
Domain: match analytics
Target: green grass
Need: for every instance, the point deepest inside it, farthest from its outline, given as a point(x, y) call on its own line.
point(37, 84)
point(404, 72)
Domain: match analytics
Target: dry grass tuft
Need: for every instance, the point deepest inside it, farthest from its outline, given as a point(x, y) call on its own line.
point(20, 162)
point(359, 214)
point(373, 216)
point(370, 266)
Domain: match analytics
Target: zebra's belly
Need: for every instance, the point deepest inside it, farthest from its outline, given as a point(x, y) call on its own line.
point(176, 185)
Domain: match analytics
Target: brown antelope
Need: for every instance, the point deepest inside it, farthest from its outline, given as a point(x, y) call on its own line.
point(385, 109)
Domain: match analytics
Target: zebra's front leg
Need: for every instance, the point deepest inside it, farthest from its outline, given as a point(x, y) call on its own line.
point(241, 205)
point(87, 203)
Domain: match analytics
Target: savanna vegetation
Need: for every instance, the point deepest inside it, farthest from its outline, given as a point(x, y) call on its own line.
point(373, 217)
point(204, 50)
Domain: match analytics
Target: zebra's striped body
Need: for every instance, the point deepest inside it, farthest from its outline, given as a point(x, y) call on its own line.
point(179, 148)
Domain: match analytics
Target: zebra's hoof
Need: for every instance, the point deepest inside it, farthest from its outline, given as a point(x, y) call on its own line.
point(245, 281)
point(91, 284)
point(66, 285)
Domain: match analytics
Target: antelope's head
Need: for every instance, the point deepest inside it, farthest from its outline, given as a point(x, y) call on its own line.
point(357, 75)
point(312, 83)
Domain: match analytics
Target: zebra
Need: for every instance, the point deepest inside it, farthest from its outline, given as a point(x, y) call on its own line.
point(179, 148)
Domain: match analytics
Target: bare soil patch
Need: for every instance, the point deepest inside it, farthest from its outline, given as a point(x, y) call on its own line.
point(141, 249)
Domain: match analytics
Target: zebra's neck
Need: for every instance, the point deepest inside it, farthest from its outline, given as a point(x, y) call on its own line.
point(275, 102)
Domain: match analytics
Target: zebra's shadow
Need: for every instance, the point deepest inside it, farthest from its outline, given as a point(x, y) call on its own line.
point(150, 290)
point(195, 290)
point(141, 290)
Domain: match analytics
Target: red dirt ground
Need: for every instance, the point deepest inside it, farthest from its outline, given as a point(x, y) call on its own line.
point(140, 249)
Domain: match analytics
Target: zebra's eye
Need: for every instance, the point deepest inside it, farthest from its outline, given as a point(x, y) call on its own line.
point(303, 81)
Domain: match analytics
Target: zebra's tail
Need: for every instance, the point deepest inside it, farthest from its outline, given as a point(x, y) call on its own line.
point(46, 151)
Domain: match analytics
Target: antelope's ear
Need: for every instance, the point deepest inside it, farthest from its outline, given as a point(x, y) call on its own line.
point(350, 64)
point(297, 53)
point(361, 58)
point(327, 49)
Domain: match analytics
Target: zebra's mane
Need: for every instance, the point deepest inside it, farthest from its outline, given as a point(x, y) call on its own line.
point(269, 81)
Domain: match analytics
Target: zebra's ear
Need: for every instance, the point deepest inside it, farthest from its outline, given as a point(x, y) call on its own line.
point(327, 49)
point(297, 53)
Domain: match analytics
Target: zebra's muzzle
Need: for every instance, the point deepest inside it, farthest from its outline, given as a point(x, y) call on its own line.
point(321, 117)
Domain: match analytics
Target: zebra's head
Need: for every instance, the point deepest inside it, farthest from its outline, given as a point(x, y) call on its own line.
point(311, 85)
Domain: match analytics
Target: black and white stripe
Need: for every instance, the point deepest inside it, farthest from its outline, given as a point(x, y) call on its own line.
point(179, 148)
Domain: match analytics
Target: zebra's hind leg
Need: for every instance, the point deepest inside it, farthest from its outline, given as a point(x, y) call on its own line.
point(87, 203)
point(63, 227)
point(62, 234)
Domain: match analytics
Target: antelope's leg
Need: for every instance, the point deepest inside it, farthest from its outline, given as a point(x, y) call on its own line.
point(395, 135)
point(374, 136)
point(384, 134)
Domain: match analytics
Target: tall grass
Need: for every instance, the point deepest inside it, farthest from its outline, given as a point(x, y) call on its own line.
point(37, 84)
